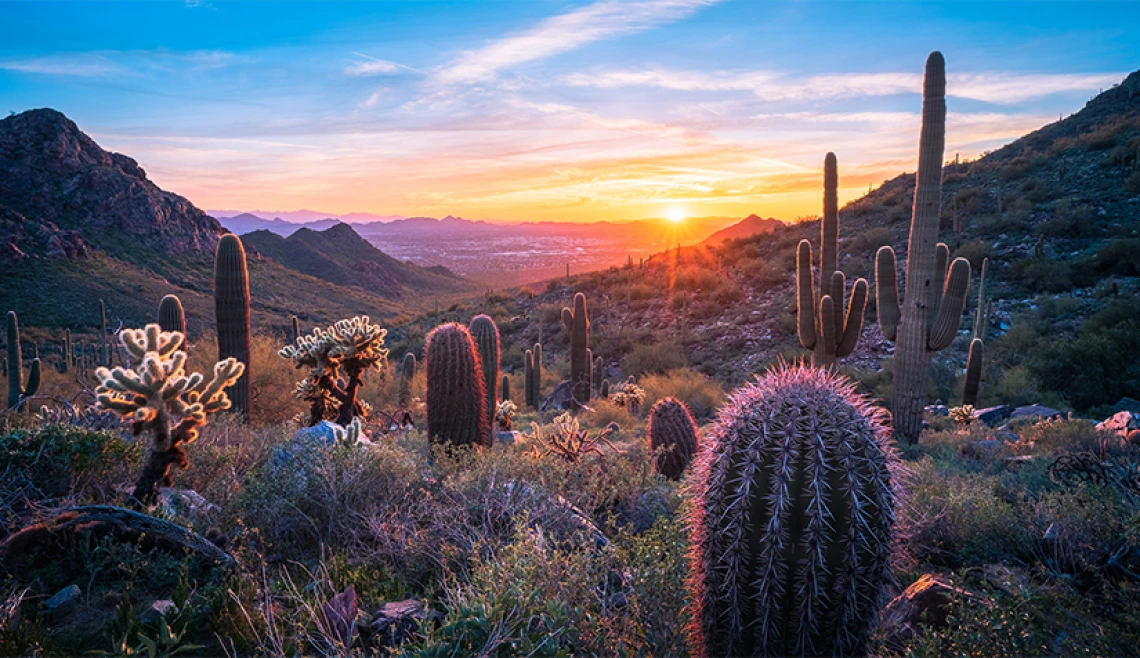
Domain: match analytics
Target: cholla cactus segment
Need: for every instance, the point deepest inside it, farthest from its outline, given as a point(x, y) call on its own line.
point(963, 415)
point(791, 525)
point(162, 397)
point(504, 414)
point(348, 435)
point(360, 340)
point(628, 395)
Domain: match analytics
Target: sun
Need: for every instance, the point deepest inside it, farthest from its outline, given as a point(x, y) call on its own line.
point(675, 214)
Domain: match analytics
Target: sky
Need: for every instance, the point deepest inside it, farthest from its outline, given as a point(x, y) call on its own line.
point(548, 109)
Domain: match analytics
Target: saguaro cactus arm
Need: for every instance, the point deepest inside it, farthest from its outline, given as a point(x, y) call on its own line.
point(887, 292)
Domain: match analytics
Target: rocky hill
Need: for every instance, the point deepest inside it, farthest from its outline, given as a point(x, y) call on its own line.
point(749, 226)
point(79, 224)
point(1057, 213)
point(339, 255)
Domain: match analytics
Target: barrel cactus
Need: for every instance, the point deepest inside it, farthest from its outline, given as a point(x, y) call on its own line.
point(18, 389)
point(791, 524)
point(456, 398)
point(231, 299)
point(171, 317)
point(672, 436)
point(486, 335)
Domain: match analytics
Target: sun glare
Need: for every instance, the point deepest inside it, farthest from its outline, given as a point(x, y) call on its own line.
point(675, 214)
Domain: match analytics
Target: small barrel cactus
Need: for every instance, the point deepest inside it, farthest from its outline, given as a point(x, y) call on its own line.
point(791, 524)
point(171, 317)
point(672, 436)
point(456, 399)
point(486, 334)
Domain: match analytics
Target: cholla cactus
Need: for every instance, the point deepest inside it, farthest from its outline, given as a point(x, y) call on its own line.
point(162, 398)
point(349, 435)
point(963, 415)
point(504, 414)
point(570, 442)
point(628, 395)
point(337, 358)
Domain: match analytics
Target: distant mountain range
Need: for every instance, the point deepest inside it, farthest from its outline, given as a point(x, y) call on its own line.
point(79, 224)
point(749, 226)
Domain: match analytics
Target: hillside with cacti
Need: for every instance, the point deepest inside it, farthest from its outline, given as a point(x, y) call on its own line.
point(772, 446)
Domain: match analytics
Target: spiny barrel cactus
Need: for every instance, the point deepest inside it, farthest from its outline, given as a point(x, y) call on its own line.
point(337, 358)
point(672, 436)
point(231, 300)
point(171, 317)
point(929, 319)
point(792, 517)
point(528, 379)
point(456, 399)
point(486, 335)
point(822, 327)
point(18, 391)
point(577, 323)
point(164, 399)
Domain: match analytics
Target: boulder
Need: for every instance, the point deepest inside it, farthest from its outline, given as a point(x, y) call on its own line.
point(506, 438)
point(64, 599)
point(993, 415)
point(1036, 411)
point(561, 398)
point(1120, 423)
point(937, 410)
point(321, 435)
point(1127, 404)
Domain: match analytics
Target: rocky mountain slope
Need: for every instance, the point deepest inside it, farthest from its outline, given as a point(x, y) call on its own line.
point(79, 224)
point(749, 226)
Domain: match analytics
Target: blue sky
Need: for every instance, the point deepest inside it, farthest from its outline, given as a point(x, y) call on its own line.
point(547, 110)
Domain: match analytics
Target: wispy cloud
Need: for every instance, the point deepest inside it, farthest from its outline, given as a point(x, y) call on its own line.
point(562, 33)
point(998, 88)
point(67, 64)
point(369, 66)
point(119, 63)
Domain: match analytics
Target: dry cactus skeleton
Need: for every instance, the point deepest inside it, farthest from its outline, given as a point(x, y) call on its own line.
point(163, 398)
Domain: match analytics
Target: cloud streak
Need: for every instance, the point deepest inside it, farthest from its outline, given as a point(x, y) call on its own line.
point(563, 33)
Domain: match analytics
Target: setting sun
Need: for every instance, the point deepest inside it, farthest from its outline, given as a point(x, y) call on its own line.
point(676, 214)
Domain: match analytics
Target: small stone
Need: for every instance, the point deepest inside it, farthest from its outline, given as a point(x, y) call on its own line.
point(993, 415)
point(506, 438)
point(64, 598)
point(157, 610)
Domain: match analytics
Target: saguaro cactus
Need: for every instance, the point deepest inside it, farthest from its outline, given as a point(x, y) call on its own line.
point(982, 315)
point(822, 327)
point(407, 372)
point(456, 399)
point(296, 329)
point(18, 391)
point(577, 322)
point(791, 522)
point(505, 393)
point(486, 335)
point(231, 300)
point(976, 359)
point(528, 378)
point(673, 435)
point(538, 370)
point(932, 311)
point(598, 373)
point(164, 399)
point(68, 351)
point(171, 317)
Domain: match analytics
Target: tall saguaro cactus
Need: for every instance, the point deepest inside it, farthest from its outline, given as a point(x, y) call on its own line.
point(68, 351)
point(528, 379)
point(18, 390)
point(231, 300)
point(456, 399)
point(934, 301)
point(577, 322)
point(538, 370)
point(171, 317)
point(822, 326)
point(486, 335)
point(792, 519)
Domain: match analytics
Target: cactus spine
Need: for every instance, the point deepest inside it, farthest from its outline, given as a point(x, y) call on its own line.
point(231, 300)
point(18, 390)
point(791, 522)
point(577, 322)
point(822, 327)
point(673, 436)
point(932, 311)
point(486, 335)
point(171, 317)
point(456, 399)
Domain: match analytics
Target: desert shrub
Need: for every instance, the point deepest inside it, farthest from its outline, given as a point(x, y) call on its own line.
point(1120, 257)
point(695, 279)
point(869, 241)
point(1132, 185)
point(1042, 274)
point(700, 393)
point(606, 412)
point(973, 251)
point(1017, 386)
point(650, 358)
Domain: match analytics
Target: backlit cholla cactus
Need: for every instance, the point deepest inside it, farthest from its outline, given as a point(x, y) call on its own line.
point(160, 397)
point(628, 395)
point(504, 415)
point(337, 358)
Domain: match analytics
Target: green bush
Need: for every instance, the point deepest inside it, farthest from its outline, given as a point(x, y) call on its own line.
point(654, 358)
